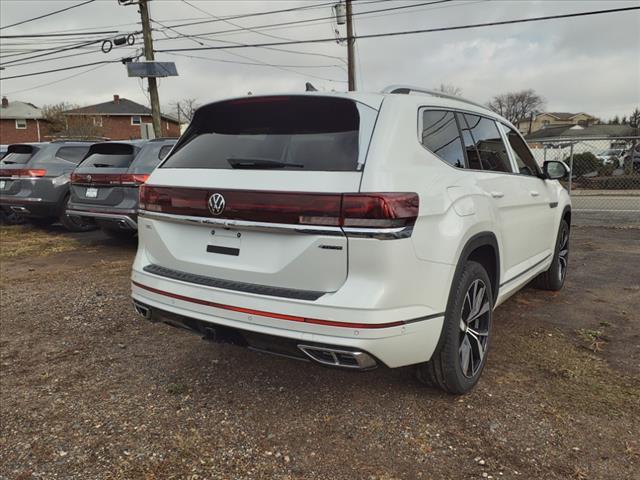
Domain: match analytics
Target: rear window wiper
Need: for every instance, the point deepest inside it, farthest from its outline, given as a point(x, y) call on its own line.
point(260, 163)
point(9, 162)
point(102, 165)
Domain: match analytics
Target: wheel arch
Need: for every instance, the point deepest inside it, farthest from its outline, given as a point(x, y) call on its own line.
point(482, 248)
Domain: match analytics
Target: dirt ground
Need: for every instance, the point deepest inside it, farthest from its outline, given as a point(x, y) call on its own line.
point(90, 391)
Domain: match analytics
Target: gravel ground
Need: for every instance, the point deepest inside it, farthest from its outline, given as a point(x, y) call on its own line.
point(90, 391)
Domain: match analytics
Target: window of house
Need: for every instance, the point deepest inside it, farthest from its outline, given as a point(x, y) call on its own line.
point(545, 123)
point(441, 136)
point(97, 121)
point(491, 151)
point(136, 120)
point(21, 124)
point(527, 165)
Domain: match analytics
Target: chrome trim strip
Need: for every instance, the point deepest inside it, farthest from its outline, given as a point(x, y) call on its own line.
point(242, 224)
point(108, 216)
point(375, 233)
point(379, 233)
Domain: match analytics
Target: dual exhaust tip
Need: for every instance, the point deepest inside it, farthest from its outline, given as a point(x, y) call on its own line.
point(334, 357)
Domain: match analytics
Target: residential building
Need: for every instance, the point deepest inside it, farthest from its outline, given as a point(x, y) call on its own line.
point(20, 122)
point(552, 119)
point(120, 119)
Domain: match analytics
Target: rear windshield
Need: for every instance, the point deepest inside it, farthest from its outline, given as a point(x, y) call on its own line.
point(150, 156)
point(19, 154)
point(287, 133)
point(110, 155)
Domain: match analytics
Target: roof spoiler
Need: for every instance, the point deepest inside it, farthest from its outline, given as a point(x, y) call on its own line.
point(407, 89)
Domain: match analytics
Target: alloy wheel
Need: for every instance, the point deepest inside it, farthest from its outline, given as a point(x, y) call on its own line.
point(474, 328)
point(563, 254)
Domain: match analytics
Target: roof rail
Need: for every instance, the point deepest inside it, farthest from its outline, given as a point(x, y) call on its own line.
point(406, 89)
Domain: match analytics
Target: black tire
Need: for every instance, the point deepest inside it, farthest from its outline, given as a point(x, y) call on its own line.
point(449, 368)
point(75, 223)
point(9, 217)
point(553, 279)
point(119, 234)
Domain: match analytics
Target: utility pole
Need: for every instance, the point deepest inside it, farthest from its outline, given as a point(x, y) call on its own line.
point(351, 64)
point(148, 55)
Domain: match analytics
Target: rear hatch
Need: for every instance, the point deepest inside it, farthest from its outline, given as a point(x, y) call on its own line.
point(15, 167)
point(252, 194)
point(103, 176)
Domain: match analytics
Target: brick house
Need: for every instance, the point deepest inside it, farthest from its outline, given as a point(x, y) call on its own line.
point(554, 119)
point(20, 122)
point(121, 119)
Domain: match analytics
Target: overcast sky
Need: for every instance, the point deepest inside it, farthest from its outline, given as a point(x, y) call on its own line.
point(589, 64)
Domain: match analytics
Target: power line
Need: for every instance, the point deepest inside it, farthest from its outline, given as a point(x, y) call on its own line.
point(257, 64)
point(73, 67)
point(38, 35)
point(411, 32)
point(297, 22)
point(46, 15)
point(56, 81)
point(73, 55)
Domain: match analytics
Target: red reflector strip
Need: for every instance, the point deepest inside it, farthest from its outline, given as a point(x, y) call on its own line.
point(23, 172)
point(279, 316)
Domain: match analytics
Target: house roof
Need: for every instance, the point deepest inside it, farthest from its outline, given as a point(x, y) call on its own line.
point(123, 106)
point(20, 110)
point(577, 131)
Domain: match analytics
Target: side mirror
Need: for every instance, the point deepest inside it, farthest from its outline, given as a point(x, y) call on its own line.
point(555, 170)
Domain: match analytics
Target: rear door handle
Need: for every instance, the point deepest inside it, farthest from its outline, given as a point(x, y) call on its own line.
point(497, 194)
point(533, 193)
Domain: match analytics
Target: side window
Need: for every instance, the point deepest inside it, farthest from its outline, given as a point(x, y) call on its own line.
point(441, 136)
point(492, 152)
point(524, 159)
point(163, 151)
point(72, 154)
point(473, 158)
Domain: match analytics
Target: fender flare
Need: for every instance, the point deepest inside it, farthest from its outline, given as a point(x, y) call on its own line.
point(481, 239)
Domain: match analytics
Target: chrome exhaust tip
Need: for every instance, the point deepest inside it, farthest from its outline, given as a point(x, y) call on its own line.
point(356, 360)
point(142, 310)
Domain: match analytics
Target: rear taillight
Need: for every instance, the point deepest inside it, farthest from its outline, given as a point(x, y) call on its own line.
point(353, 210)
point(109, 178)
point(23, 173)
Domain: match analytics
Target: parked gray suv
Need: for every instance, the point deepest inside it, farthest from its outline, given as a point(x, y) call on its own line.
point(105, 185)
point(34, 182)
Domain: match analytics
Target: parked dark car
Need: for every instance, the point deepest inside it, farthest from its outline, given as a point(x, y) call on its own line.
point(632, 158)
point(105, 185)
point(34, 182)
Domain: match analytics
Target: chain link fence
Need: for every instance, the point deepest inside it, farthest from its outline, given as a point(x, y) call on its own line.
point(605, 176)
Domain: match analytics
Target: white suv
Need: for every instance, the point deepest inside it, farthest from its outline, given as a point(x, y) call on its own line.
point(350, 229)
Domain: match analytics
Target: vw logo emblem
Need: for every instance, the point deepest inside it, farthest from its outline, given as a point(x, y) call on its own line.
point(88, 178)
point(216, 204)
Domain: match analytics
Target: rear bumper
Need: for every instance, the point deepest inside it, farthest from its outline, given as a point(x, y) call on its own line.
point(389, 336)
point(30, 206)
point(123, 219)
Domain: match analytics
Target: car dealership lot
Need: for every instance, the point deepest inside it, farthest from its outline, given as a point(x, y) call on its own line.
point(88, 390)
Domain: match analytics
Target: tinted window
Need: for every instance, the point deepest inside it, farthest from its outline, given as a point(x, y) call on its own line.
point(440, 135)
point(72, 154)
point(150, 156)
point(524, 159)
point(491, 152)
point(291, 133)
point(110, 155)
point(16, 158)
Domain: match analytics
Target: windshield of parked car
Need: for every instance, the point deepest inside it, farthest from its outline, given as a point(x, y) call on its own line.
point(150, 156)
point(260, 133)
point(109, 155)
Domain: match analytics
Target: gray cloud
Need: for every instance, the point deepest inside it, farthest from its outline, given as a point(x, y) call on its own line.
point(585, 64)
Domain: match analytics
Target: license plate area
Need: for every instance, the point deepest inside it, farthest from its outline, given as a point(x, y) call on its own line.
point(91, 192)
point(224, 242)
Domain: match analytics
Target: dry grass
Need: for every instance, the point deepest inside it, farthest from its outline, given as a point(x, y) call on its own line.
point(21, 240)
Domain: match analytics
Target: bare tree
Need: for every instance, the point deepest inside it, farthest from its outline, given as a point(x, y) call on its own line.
point(184, 109)
point(78, 127)
point(634, 118)
point(449, 89)
point(516, 106)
